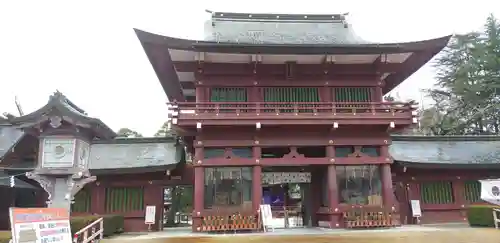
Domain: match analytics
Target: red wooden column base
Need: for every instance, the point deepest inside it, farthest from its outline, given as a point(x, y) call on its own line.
point(387, 192)
point(333, 197)
point(256, 187)
point(199, 194)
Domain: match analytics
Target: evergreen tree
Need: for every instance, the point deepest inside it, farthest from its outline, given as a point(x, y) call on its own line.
point(128, 133)
point(466, 97)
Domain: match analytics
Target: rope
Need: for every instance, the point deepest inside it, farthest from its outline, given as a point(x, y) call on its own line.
point(7, 177)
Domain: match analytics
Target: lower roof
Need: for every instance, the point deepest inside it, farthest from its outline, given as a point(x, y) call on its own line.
point(446, 151)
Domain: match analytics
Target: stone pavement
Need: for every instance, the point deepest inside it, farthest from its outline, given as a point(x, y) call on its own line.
point(186, 233)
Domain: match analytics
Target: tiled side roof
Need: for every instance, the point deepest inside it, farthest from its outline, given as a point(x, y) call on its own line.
point(9, 136)
point(280, 29)
point(129, 155)
point(68, 109)
point(447, 150)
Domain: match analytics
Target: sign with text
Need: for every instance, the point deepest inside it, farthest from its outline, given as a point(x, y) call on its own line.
point(415, 208)
point(266, 215)
point(150, 215)
point(490, 191)
point(40, 225)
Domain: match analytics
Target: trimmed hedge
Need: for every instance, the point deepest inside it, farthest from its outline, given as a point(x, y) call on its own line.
point(113, 224)
point(4, 236)
point(481, 215)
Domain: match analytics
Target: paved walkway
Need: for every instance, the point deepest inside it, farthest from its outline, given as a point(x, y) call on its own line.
point(186, 232)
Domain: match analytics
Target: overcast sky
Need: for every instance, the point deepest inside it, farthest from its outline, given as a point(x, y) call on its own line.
point(88, 50)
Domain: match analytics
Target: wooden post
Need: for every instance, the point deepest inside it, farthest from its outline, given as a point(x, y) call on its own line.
point(199, 189)
point(333, 196)
point(256, 180)
point(387, 192)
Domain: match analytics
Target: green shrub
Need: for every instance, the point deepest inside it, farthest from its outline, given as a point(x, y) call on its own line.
point(79, 222)
point(481, 215)
point(113, 224)
point(4, 236)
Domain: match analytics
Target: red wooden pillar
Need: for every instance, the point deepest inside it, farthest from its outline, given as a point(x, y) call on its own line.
point(256, 180)
point(199, 190)
point(386, 178)
point(333, 196)
point(459, 196)
point(200, 93)
point(379, 94)
point(256, 187)
point(153, 196)
point(97, 201)
point(332, 193)
point(387, 192)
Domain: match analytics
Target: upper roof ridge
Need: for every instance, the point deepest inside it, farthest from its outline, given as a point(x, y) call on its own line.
point(279, 17)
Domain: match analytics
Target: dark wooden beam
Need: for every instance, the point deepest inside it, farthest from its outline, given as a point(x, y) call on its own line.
point(249, 81)
point(279, 69)
point(188, 85)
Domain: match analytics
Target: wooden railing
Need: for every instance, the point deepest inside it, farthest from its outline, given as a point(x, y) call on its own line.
point(233, 222)
point(361, 218)
point(96, 230)
point(496, 219)
point(279, 108)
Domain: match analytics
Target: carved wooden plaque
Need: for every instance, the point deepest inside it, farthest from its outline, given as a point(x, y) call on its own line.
point(83, 154)
point(58, 152)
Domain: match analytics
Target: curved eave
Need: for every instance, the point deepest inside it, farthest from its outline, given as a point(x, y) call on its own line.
point(290, 49)
point(99, 127)
point(439, 165)
point(157, 50)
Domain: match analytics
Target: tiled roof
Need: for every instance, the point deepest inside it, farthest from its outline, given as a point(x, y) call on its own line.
point(465, 150)
point(133, 155)
point(68, 110)
point(9, 136)
point(280, 29)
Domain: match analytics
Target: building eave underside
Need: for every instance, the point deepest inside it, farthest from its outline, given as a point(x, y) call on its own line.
point(441, 165)
point(158, 50)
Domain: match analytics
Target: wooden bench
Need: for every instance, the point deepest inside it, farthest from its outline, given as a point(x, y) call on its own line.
point(234, 222)
point(361, 218)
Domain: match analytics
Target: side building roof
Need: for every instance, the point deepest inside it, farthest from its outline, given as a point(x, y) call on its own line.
point(60, 106)
point(135, 155)
point(241, 39)
point(446, 151)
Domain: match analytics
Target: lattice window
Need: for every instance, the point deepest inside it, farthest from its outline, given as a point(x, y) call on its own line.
point(291, 95)
point(343, 151)
point(472, 191)
point(437, 192)
point(228, 95)
point(82, 201)
point(352, 94)
point(372, 151)
point(124, 199)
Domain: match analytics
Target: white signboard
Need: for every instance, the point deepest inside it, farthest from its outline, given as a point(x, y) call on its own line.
point(40, 225)
point(150, 215)
point(266, 215)
point(490, 191)
point(415, 208)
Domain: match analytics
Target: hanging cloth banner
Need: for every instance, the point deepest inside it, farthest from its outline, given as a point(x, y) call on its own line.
point(274, 178)
point(490, 191)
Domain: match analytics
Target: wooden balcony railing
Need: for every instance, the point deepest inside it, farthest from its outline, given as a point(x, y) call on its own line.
point(301, 110)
